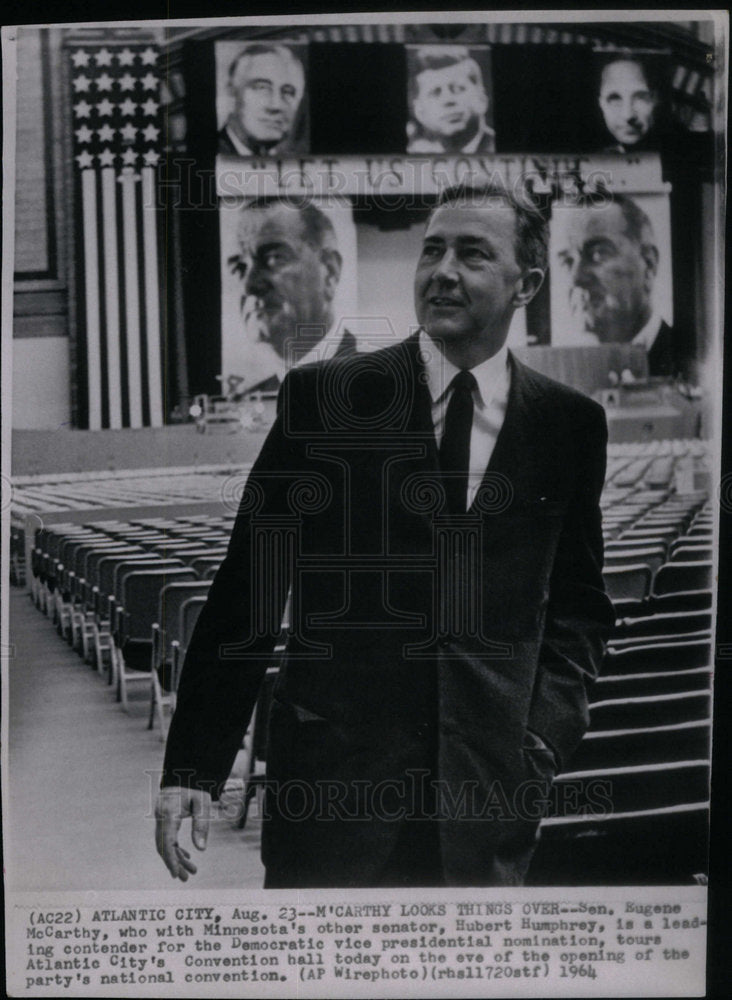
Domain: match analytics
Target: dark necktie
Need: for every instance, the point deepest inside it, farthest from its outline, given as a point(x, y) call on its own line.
point(455, 446)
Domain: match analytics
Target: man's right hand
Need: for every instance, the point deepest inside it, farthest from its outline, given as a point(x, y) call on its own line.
point(171, 808)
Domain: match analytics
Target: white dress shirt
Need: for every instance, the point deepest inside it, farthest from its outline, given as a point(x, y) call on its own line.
point(263, 361)
point(490, 399)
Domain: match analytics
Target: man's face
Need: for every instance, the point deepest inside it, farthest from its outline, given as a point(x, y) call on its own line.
point(286, 276)
point(467, 275)
point(612, 280)
point(626, 102)
point(448, 101)
point(267, 96)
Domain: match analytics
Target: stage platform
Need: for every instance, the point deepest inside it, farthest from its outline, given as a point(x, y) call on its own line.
point(66, 450)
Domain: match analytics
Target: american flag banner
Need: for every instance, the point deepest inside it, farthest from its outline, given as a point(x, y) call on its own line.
point(117, 137)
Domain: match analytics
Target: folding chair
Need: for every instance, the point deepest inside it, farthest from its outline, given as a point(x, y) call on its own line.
point(111, 574)
point(671, 655)
point(660, 628)
point(690, 553)
point(164, 633)
point(678, 577)
point(134, 619)
point(628, 583)
point(683, 600)
point(652, 556)
point(187, 618)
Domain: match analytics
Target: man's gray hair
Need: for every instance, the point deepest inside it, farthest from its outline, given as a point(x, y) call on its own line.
point(531, 229)
point(318, 230)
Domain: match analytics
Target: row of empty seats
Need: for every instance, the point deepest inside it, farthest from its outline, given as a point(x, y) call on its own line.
point(126, 594)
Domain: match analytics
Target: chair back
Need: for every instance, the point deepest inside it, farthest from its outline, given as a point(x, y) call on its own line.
point(676, 577)
point(140, 596)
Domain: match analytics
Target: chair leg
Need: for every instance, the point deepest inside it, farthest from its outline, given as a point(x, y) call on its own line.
point(153, 700)
point(118, 678)
point(160, 703)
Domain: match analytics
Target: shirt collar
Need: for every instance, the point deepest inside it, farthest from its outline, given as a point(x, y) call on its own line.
point(472, 146)
point(647, 335)
point(241, 148)
point(440, 372)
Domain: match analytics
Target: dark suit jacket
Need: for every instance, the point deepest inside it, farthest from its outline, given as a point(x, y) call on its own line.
point(667, 356)
point(490, 625)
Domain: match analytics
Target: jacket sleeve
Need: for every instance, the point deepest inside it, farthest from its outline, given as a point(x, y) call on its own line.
point(579, 613)
point(235, 635)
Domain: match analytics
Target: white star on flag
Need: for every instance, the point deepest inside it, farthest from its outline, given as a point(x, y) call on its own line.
point(127, 107)
point(82, 109)
point(103, 57)
point(149, 107)
point(150, 132)
point(106, 158)
point(84, 159)
point(81, 82)
point(105, 107)
point(151, 158)
point(127, 82)
point(104, 82)
point(149, 81)
point(129, 157)
point(149, 57)
point(84, 134)
point(128, 132)
point(126, 57)
point(105, 133)
point(80, 58)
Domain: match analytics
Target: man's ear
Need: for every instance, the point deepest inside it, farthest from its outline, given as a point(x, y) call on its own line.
point(649, 253)
point(527, 286)
point(332, 261)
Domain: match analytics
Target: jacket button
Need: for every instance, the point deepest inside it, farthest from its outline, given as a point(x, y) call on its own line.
point(423, 731)
point(444, 644)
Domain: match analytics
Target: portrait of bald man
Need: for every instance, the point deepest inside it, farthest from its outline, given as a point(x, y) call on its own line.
point(266, 85)
point(629, 99)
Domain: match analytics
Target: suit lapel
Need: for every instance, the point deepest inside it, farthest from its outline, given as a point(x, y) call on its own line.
point(514, 462)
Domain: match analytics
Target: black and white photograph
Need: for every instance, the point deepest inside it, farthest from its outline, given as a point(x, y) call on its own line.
point(362, 494)
point(611, 273)
point(261, 99)
point(288, 283)
point(450, 91)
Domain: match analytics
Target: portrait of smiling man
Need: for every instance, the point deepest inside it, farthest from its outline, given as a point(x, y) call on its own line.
point(448, 613)
point(449, 102)
point(266, 84)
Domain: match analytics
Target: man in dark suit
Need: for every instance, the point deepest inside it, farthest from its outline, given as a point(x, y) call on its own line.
point(611, 253)
point(433, 509)
point(290, 266)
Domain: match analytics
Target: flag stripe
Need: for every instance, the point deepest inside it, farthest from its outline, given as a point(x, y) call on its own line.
point(152, 301)
point(111, 289)
point(91, 279)
point(132, 300)
point(141, 300)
